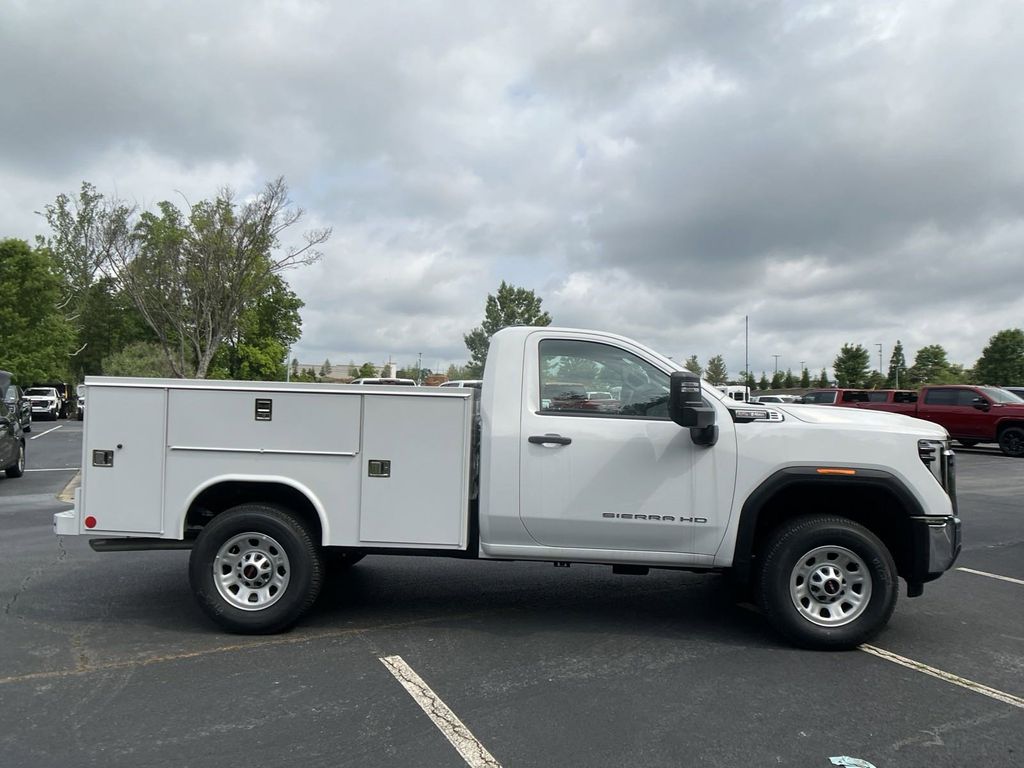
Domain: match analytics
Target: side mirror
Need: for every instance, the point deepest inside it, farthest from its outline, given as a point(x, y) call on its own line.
point(981, 403)
point(686, 408)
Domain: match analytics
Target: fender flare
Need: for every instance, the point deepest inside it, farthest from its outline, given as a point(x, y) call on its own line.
point(254, 480)
point(750, 514)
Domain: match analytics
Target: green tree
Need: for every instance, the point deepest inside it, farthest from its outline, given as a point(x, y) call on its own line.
point(897, 376)
point(789, 381)
point(325, 369)
point(509, 306)
point(851, 365)
point(35, 336)
point(266, 329)
point(747, 379)
point(366, 371)
point(84, 232)
point(763, 383)
point(295, 367)
point(108, 322)
point(805, 378)
point(1002, 361)
point(457, 372)
point(190, 274)
point(931, 367)
point(823, 379)
point(139, 358)
point(875, 380)
point(777, 379)
point(715, 371)
point(410, 371)
point(693, 365)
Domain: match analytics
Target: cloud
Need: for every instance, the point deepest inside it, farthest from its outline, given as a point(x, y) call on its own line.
point(836, 172)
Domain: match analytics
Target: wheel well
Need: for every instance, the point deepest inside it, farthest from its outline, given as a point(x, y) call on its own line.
point(1005, 425)
point(876, 508)
point(223, 496)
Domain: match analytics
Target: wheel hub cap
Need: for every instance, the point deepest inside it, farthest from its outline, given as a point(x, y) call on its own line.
point(830, 586)
point(251, 571)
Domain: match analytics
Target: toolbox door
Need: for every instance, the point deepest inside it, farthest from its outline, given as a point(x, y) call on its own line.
point(123, 454)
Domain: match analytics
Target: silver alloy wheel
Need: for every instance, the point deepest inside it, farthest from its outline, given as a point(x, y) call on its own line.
point(830, 586)
point(251, 571)
point(21, 458)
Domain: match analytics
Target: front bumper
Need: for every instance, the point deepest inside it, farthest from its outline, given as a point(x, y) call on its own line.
point(935, 545)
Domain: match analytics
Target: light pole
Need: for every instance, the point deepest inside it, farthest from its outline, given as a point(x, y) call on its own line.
point(879, 345)
point(419, 368)
point(776, 362)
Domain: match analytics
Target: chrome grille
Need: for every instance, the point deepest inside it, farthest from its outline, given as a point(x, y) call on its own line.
point(938, 456)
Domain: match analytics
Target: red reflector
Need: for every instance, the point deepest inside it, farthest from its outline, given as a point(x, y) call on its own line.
point(90, 522)
point(835, 471)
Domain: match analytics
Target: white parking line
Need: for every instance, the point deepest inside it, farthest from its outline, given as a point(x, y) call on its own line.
point(51, 429)
point(467, 745)
point(54, 469)
point(992, 576)
point(963, 682)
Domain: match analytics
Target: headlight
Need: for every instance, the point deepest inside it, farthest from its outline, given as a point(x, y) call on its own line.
point(941, 462)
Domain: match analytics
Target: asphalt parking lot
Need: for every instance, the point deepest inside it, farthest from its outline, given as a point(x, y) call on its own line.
point(107, 661)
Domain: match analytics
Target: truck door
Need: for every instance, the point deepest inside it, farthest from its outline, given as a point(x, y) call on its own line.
point(953, 408)
point(602, 473)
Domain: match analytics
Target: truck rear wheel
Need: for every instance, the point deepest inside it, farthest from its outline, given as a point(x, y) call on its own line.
point(1011, 441)
point(827, 582)
point(255, 569)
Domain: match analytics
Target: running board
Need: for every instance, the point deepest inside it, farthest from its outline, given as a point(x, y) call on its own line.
point(138, 545)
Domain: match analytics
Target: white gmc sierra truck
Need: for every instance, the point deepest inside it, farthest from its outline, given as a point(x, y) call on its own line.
point(581, 447)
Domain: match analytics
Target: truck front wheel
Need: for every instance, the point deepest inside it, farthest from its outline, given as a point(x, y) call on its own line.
point(255, 569)
point(1011, 442)
point(17, 469)
point(827, 582)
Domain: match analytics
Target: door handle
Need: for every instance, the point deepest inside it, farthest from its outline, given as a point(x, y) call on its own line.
point(549, 439)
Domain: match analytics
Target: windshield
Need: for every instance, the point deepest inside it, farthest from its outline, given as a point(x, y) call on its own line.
point(40, 391)
point(997, 395)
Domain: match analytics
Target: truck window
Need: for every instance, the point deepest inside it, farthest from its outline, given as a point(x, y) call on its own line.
point(904, 397)
point(623, 384)
point(855, 397)
point(943, 396)
point(823, 398)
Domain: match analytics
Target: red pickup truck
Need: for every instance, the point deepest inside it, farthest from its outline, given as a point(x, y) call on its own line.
point(971, 414)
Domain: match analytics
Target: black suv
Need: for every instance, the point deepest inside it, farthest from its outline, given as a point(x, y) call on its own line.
point(15, 398)
point(12, 438)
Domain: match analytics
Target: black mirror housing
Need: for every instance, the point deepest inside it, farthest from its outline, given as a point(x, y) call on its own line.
point(686, 408)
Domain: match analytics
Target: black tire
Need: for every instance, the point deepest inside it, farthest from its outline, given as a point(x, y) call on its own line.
point(827, 583)
point(967, 443)
point(337, 559)
point(17, 469)
point(277, 542)
point(1011, 442)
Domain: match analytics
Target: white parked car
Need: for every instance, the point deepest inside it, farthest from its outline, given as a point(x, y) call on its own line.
point(388, 382)
point(474, 383)
point(45, 401)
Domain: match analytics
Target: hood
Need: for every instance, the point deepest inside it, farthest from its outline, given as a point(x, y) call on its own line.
point(1011, 409)
point(864, 419)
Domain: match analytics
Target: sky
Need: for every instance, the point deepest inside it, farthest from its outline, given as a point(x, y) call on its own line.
point(847, 172)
